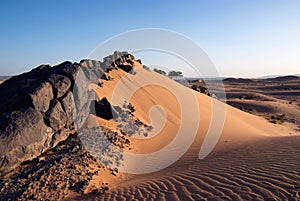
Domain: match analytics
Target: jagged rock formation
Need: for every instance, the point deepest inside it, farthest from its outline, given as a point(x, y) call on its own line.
point(45, 106)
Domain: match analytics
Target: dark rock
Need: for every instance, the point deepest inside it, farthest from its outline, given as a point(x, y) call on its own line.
point(68, 106)
point(126, 68)
point(106, 77)
point(61, 84)
point(109, 61)
point(56, 117)
point(60, 136)
point(200, 89)
point(100, 84)
point(41, 67)
point(67, 69)
point(41, 96)
point(103, 109)
point(122, 60)
point(17, 93)
point(23, 136)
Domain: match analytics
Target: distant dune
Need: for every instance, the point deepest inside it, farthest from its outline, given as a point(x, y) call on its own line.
point(238, 80)
point(285, 78)
point(274, 76)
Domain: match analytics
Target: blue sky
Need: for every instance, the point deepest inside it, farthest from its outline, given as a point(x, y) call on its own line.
point(244, 38)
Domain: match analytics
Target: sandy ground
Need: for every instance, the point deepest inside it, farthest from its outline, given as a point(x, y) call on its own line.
point(262, 170)
point(277, 100)
point(253, 159)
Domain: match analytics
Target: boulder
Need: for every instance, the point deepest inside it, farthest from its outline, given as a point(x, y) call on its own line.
point(67, 69)
point(41, 96)
point(61, 84)
point(126, 68)
point(23, 136)
point(56, 117)
point(200, 89)
point(106, 77)
point(68, 106)
point(18, 93)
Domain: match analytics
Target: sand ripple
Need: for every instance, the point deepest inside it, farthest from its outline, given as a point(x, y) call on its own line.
point(264, 170)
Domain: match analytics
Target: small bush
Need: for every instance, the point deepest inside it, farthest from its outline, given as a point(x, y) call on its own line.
point(277, 119)
point(146, 67)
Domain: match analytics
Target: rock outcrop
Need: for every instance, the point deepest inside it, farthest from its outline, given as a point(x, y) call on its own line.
point(45, 106)
point(200, 89)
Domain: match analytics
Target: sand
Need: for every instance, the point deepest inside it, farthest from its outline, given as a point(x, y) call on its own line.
point(268, 98)
point(266, 169)
point(253, 159)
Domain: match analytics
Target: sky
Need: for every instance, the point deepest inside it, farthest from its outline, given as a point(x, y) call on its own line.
point(243, 38)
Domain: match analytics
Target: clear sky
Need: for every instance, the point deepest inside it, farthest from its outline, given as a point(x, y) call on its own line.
point(244, 38)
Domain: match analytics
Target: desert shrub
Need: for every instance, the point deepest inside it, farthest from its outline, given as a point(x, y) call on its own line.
point(277, 119)
point(174, 73)
point(146, 67)
point(159, 71)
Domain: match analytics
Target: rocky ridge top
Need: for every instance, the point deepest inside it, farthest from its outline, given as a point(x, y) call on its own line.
point(39, 108)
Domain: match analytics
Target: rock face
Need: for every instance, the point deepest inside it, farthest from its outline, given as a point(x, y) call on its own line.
point(61, 84)
point(56, 116)
point(39, 108)
point(41, 96)
point(23, 135)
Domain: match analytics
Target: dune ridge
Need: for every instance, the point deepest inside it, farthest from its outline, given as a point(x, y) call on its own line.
point(253, 160)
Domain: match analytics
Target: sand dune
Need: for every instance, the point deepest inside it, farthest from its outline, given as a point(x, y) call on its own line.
point(253, 160)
